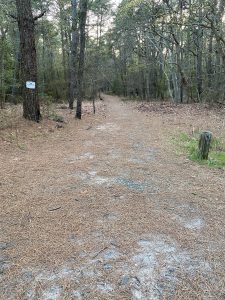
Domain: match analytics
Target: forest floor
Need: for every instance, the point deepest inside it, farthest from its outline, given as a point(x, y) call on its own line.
point(104, 208)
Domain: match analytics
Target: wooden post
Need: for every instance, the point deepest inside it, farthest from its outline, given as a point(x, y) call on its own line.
point(204, 144)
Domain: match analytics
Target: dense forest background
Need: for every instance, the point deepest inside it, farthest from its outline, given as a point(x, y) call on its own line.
point(166, 50)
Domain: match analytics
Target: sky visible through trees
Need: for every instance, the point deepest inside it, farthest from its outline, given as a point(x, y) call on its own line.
point(149, 50)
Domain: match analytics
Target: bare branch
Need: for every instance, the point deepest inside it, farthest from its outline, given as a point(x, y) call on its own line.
point(12, 16)
point(40, 15)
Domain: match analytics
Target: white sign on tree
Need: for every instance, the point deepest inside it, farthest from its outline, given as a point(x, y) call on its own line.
point(30, 85)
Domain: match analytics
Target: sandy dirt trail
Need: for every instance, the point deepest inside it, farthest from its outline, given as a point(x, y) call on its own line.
point(104, 209)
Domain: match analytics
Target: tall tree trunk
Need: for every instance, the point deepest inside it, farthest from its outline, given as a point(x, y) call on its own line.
point(2, 80)
point(174, 76)
point(16, 67)
point(73, 63)
point(68, 46)
point(62, 36)
point(43, 79)
point(82, 25)
point(179, 72)
point(209, 60)
point(199, 46)
point(31, 106)
point(199, 72)
point(2, 68)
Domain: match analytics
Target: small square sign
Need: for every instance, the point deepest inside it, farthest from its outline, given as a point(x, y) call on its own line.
point(30, 85)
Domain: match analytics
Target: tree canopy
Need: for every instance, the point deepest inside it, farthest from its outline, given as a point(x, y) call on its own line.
point(166, 50)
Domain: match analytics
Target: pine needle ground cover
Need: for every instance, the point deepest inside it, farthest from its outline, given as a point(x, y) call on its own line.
point(104, 208)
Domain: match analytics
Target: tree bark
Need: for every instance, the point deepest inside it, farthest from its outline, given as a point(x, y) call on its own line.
point(204, 144)
point(199, 48)
point(2, 68)
point(209, 60)
point(31, 106)
point(73, 63)
point(82, 25)
point(62, 37)
point(16, 71)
